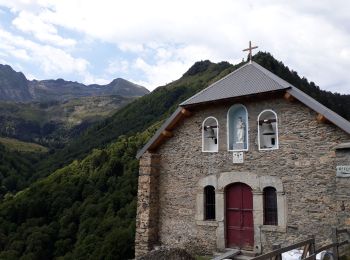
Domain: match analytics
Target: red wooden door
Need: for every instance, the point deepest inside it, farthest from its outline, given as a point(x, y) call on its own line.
point(239, 216)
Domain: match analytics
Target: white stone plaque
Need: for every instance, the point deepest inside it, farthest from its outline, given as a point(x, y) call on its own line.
point(238, 157)
point(343, 171)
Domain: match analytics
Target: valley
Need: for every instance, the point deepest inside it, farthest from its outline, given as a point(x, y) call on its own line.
point(54, 123)
point(79, 200)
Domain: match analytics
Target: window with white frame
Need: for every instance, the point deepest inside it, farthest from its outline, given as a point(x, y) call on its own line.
point(210, 134)
point(267, 130)
point(237, 128)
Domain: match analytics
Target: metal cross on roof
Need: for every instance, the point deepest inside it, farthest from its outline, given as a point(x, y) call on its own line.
point(250, 51)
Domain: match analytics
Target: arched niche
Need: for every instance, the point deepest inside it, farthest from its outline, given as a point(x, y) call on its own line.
point(237, 128)
point(210, 135)
point(267, 130)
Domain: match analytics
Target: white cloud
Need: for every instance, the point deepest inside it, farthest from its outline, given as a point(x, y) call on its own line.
point(91, 79)
point(41, 29)
point(160, 73)
point(168, 37)
point(118, 66)
point(52, 60)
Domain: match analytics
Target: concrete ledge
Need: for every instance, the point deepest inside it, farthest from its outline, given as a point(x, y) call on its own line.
point(270, 228)
point(210, 223)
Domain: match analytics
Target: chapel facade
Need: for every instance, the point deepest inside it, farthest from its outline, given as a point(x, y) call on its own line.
point(248, 162)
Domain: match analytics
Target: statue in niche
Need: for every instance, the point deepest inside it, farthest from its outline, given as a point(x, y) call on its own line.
point(240, 131)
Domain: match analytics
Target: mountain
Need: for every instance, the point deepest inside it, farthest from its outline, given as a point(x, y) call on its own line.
point(122, 87)
point(54, 123)
point(62, 90)
point(51, 112)
point(83, 205)
point(14, 86)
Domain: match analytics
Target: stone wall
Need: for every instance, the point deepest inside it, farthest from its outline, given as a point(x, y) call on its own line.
point(304, 162)
point(147, 205)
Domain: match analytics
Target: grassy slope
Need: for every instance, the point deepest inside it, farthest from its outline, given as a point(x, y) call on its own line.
point(20, 146)
point(69, 112)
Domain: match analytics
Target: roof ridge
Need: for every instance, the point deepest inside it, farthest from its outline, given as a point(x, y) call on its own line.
point(216, 82)
point(272, 76)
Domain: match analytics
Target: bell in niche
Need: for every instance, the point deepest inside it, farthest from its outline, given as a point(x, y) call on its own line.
point(211, 133)
point(267, 129)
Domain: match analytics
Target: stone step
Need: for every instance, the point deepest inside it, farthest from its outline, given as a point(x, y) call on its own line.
point(242, 257)
point(248, 253)
point(229, 254)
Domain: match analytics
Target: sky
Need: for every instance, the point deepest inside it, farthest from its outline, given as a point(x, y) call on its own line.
point(153, 42)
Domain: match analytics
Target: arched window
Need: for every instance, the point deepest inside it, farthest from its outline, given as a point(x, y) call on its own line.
point(270, 206)
point(237, 125)
point(209, 203)
point(267, 130)
point(210, 131)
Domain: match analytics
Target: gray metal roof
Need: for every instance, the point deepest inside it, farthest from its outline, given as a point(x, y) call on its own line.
point(249, 79)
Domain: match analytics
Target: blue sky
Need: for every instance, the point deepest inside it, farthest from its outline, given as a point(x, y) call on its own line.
point(154, 42)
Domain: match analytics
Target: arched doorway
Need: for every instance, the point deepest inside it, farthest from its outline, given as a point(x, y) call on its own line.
point(239, 216)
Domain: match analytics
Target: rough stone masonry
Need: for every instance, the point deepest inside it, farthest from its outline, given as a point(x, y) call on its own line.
point(311, 199)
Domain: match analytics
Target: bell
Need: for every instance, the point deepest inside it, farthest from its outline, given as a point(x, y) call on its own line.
point(267, 129)
point(210, 131)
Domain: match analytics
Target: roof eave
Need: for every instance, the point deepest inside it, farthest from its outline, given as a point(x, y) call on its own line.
point(164, 131)
point(342, 146)
point(330, 115)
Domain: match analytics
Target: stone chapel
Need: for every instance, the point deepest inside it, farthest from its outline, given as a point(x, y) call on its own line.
point(245, 163)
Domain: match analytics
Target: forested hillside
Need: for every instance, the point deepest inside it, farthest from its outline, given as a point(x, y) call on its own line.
point(85, 210)
point(83, 205)
point(16, 168)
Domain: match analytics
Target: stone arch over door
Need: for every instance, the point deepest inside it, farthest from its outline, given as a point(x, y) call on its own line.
point(252, 180)
point(257, 184)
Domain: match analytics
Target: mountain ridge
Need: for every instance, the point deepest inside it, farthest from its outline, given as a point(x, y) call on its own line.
point(14, 86)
